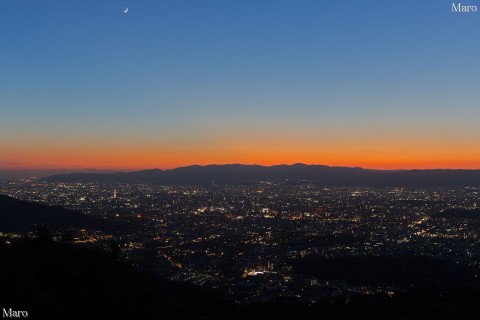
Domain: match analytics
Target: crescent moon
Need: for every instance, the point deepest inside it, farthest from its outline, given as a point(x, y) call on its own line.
point(125, 10)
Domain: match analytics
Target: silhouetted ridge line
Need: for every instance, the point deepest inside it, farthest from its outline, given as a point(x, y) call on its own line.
point(296, 173)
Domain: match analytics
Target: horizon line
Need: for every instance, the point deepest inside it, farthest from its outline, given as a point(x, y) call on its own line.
point(119, 170)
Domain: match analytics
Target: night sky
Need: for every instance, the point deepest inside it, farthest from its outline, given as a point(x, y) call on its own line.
point(377, 84)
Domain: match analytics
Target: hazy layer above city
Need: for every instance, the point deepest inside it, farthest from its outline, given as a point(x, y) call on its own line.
point(297, 173)
point(41, 173)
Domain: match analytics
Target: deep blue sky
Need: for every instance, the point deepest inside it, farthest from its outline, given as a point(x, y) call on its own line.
point(171, 71)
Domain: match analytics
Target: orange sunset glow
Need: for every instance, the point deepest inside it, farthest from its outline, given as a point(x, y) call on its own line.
point(129, 93)
point(130, 154)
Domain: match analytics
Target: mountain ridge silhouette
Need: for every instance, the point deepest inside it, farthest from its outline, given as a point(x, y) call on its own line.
point(295, 173)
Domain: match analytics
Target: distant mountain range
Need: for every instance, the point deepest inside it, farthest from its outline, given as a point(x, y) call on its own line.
point(296, 173)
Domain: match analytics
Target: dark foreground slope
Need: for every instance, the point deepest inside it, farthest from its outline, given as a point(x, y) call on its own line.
point(245, 174)
point(55, 280)
point(22, 216)
point(60, 280)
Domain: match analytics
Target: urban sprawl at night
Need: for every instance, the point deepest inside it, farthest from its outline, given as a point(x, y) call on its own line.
point(277, 240)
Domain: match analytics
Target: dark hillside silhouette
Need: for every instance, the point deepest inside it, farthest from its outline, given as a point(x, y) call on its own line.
point(57, 280)
point(22, 216)
point(60, 280)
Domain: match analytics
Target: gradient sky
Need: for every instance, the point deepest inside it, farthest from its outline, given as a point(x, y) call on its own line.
point(378, 84)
